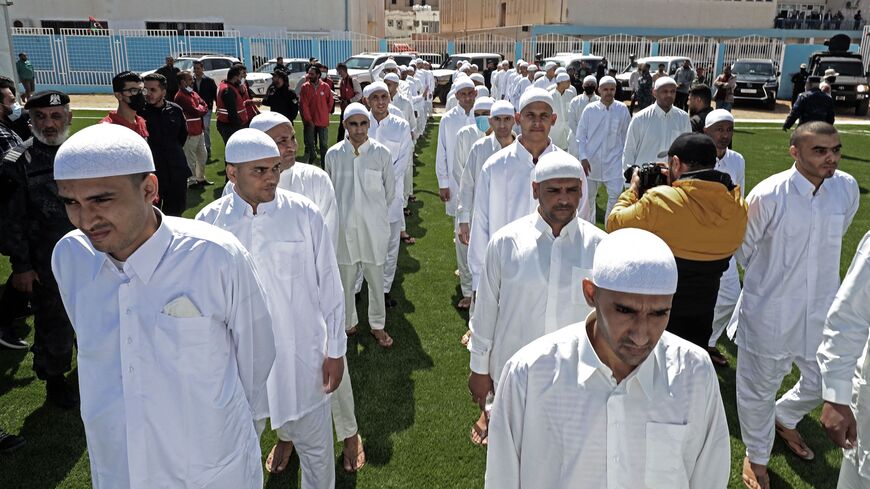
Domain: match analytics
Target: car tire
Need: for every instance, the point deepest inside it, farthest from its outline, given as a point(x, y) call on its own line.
point(770, 103)
point(861, 108)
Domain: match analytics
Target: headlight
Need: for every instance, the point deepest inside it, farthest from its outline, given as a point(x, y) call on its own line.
point(862, 88)
point(770, 83)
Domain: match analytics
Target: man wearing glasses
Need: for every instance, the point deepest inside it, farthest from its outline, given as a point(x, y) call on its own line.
point(129, 89)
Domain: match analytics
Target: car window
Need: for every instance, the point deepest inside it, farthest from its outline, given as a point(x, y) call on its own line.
point(673, 69)
point(297, 66)
point(361, 63)
point(207, 65)
point(844, 68)
point(220, 64)
point(752, 68)
point(402, 60)
point(452, 62)
point(267, 68)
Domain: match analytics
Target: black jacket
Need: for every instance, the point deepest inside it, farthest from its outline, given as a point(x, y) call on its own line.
point(207, 90)
point(812, 105)
point(167, 133)
point(282, 100)
point(699, 118)
point(171, 74)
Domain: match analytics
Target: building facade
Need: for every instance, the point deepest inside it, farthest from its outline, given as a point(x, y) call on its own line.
point(409, 5)
point(404, 24)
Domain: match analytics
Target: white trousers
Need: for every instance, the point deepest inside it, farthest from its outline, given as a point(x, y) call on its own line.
point(341, 402)
point(729, 292)
point(758, 380)
point(462, 261)
point(374, 275)
point(312, 439)
point(614, 188)
point(392, 255)
point(850, 478)
point(408, 184)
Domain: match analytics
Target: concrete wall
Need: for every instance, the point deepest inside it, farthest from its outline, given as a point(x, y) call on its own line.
point(364, 16)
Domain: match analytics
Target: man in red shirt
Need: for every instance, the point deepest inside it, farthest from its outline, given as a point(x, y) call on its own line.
point(316, 104)
point(129, 89)
point(349, 91)
point(194, 108)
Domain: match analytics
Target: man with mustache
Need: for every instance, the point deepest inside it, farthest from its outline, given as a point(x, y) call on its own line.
point(34, 221)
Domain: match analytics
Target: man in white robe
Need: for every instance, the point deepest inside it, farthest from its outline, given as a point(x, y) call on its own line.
point(653, 129)
point(575, 110)
point(448, 170)
point(562, 97)
point(292, 251)
point(549, 77)
point(791, 258)
point(600, 141)
point(615, 400)
point(530, 285)
point(362, 174)
point(400, 101)
point(174, 335)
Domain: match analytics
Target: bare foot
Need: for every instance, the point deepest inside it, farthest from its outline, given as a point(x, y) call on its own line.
point(466, 338)
point(353, 453)
point(480, 430)
point(755, 475)
point(795, 442)
point(464, 303)
point(384, 339)
point(279, 457)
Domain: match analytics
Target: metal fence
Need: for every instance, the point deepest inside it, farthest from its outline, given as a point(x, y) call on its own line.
point(865, 45)
point(618, 47)
point(702, 50)
point(487, 43)
point(753, 47)
point(549, 44)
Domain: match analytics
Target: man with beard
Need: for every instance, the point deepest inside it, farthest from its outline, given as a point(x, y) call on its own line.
point(35, 221)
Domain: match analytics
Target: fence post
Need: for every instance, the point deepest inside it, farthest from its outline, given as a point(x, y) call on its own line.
point(382, 43)
point(586, 48)
point(246, 57)
point(315, 48)
point(518, 51)
point(451, 47)
point(654, 48)
point(720, 59)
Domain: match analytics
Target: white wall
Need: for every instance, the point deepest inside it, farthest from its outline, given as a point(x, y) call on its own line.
point(709, 14)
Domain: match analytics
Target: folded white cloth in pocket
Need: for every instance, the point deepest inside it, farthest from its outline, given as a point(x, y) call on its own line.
point(181, 307)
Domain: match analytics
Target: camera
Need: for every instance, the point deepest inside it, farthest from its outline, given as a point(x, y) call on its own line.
point(650, 176)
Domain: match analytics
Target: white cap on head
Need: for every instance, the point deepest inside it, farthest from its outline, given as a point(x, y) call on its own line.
point(803, 65)
point(718, 115)
point(413, 63)
point(607, 80)
point(103, 150)
point(403, 68)
point(533, 67)
point(477, 77)
point(483, 103)
point(461, 84)
point(539, 75)
point(502, 107)
point(250, 145)
point(550, 66)
point(535, 94)
point(663, 82)
point(558, 164)
point(353, 109)
point(562, 77)
point(267, 120)
point(561, 69)
point(590, 79)
point(390, 63)
point(505, 63)
point(465, 67)
point(375, 87)
point(620, 266)
point(392, 77)
point(482, 91)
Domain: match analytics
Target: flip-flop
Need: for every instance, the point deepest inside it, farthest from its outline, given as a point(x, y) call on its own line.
point(750, 480)
point(281, 454)
point(385, 341)
point(352, 331)
point(466, 338)
point(464, 303)
point(406, 211)
point(795, 442)
point(479, 435)
point(351, 465)
point(409, 240)
point(717, 357)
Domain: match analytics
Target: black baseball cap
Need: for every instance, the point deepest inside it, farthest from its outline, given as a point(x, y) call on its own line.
point(693, 147)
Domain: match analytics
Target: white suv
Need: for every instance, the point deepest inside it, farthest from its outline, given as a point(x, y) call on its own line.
point(672, 63)
point(362, 67)
point(216, 66)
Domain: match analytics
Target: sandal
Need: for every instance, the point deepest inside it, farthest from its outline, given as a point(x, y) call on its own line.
point(354, 464)
point(795, 442)
point(279, 457)
point(412, 198)
point(407, 212)
point(751, 480)
point(464, 303)
point(466, 338)
point(383, 339)
point(408, 240)
point(717, 357)
point(352, 331)
point(479, 435)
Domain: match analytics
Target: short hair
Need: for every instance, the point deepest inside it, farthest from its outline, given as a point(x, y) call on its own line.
point(156, 77)
point(183, 75)
point(240, 65)
point(6, 82)
point(315, 68)
point(341, 66)
point(197, 63)
point(279, 57)
point(280, 74)
point(234, 71)
point(703, 92)
point(138, 178)
point(814, 128)
point(123, 78)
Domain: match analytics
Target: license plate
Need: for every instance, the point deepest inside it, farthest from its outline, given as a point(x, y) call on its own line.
point(840, 97)
point(748, 90)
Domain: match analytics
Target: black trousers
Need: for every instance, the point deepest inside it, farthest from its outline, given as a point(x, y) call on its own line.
point(340, 137)
point(695, 300)
point(53, 333)
point(13, 303)
point(172, 184)
point(682, 100)
point(226, 130)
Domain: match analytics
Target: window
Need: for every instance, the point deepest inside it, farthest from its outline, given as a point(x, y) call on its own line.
point(391, 23)
point(57, 25)
point(185, 26)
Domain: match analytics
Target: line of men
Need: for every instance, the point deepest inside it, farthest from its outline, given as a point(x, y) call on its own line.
point(525, 212)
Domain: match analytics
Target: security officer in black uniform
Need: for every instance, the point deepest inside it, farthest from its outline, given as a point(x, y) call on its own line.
point(34, 220)
point(812, 105)
point(798, 82)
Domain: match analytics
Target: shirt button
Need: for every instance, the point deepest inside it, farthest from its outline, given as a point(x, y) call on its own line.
point(130, 342)
point(616, 459)
point(129, 311)
point(130, 370)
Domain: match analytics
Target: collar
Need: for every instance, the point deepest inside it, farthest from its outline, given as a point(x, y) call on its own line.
point(363, 149)
point(660, 112)
point(800, 182)
point(522, 153)
point(143, 262)
point(239, 207)
point(544, 227)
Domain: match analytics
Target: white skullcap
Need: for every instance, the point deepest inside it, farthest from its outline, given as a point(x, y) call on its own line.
point(562, 77)
point(558, 164)
point(391, 64)
point(502, 107)
point(482, 91)
point(478, 78)
point(718, 115)
point(606, 80)
point(533, 67)
point(590, 79)
point(504, 62)
point(664, 81)
point(355, 108)
point(535, 94)
point(550, 65)
point(392, 77)
point(636, 262)
point(103, 150)
point(539, 75)
point(403, 68)
point(267, 120)
point(483, 103)
point(375, 87)
point(413, 63)
point(465, 67)
point(561, 69)
point(461, 84)
point(250, 145)
point(521, 64)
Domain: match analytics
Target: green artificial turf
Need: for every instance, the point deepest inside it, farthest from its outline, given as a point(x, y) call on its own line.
point(412, 403)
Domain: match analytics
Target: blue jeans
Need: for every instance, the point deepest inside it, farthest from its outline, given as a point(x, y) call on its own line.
point(725, 105)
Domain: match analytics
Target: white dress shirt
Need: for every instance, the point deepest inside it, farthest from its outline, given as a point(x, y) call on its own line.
point(561, 420)
point(734, 165)
point(169, 399)
point(843, 356)
point(291, 248)
point(520, 87)
point(791, 258)
point(575, 110)
point(503, 194)
point(600, 138)
point(404, 104)
point(559, 131)
point(364, 188)
point(480, 151)
point(465, 140)
point(531, 285)
point(395, 134)
point(544, 82)
point(446, 155)
point(651, 131)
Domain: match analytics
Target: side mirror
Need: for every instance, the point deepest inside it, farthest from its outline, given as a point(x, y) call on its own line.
point(778, 73)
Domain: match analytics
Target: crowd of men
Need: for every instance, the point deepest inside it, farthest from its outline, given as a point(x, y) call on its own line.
point(592, 352)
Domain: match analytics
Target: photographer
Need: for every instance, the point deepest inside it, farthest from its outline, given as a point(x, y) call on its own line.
point(700, 215)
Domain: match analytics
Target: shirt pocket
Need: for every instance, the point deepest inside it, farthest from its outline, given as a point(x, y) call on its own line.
point(372, 180)
point(288, 258)
point(664, 456)
point(835, 228)
point(577, 276)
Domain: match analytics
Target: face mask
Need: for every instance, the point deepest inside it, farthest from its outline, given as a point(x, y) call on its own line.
point(242, 80)
point(588, 90)
point(137, 102)
point(482, 122)
point(14, 112)
point(189, 89)
point(324, 75)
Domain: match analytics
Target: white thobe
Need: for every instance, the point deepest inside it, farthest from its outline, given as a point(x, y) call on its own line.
point(559, 131)
point(465, 140)
point(532, 285)
point(519, 88)
point(495, 91)
point(575, 110)
point(446, 154)
point(169, 394)
point(652, 130)
point(480, 151)
point(843, 355)
point(560, 419)
point(600, 139)
point(405, 105)
point(364, 187)
point(545, 82)
point(295, 260)
point(395, 134)
point(503, 194)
